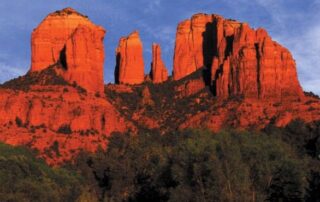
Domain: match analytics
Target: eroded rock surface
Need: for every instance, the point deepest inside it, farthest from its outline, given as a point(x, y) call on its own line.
point(130, 63)
point(159, 72)
point(242, 61)
point(72, 40)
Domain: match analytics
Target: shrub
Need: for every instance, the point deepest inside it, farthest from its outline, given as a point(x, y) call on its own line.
point(65, 129)
point(19, 122)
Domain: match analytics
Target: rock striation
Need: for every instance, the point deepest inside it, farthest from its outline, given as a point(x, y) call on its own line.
point(242, 61)
point(72, 40)
point(130, 63)
point(159, 72)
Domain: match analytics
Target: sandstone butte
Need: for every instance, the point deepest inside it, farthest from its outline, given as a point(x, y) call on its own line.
point(129, 60)
point(242, 61)
point(159, 72)
point(71, 40)
point(226, 75)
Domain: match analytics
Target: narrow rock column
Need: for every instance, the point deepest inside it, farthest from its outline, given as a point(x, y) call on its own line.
point(130, 63)
point(159, 72)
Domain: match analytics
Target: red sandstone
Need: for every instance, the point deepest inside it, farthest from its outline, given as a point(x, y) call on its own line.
point(159, 72)
point(71, 39)
point(130, 63)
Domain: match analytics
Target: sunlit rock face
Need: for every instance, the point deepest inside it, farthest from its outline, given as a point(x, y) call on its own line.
point(130, 63)
point(242, 61)
point(71, 39)
point(159, 72)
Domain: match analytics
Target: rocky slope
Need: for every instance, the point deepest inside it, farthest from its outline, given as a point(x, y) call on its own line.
point(225, 74)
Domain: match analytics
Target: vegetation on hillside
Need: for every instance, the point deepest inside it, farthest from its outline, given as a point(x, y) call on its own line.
point(25, 178)
point(191, 165)
point(196, 165)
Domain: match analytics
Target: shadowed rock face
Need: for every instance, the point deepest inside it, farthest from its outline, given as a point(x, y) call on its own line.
point(242, 61)
point(130, 63)
point(159, 72)
point(71, 39)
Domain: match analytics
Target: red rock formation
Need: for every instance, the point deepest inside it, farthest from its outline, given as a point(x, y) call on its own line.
point(130, 64)
point(69, 38)
point(37, 117)
point(193, 40)
point(159, 72)
point(55, 106)
point(243, 61)
point(85, 58)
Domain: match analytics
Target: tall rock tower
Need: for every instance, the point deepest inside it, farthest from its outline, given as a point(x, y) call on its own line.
point(71, 40)
point(159, 72)
point(130, 63)
point(242, 61)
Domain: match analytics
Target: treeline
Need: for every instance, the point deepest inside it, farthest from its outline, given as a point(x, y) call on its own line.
point(25, 178)
point(195, 165)
point(192, 165)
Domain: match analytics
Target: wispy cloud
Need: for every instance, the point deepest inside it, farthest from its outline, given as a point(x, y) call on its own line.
point(152, 6)
point(8, 72)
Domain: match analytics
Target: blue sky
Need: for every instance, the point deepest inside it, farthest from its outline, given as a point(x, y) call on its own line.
point(293, 23)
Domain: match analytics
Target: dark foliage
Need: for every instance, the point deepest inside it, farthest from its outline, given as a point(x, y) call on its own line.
point(65, 129)
point(45, 77)
point(25, 178)
point(279, 164)
point(164, 96)
point(311, 94)
point(199, 166)
point(19, 122)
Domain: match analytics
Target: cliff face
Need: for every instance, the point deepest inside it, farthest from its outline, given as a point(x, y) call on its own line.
point(130, 63)
point(71, 39)
point(242, 61)
point(194, 45)
point(44, 115)
point(159, 72)
point(226, 75)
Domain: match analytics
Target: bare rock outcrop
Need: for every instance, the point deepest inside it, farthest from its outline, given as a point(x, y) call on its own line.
point(72, 40)
point(159, 72)
point(130, 63)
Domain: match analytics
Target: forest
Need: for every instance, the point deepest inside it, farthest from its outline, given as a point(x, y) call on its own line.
point(274, 164)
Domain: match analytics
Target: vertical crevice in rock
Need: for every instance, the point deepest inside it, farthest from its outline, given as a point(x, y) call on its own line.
point(63, 58)
point(116, 70)
point(258, 69)
point(209, 46)
point(103, 122)
point(229, 48)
